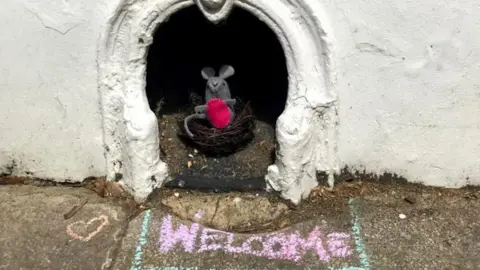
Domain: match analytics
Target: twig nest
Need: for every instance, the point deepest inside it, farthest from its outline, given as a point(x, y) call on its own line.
point(211, 140)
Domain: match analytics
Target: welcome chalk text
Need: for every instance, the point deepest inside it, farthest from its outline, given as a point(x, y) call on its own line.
point(281, 246)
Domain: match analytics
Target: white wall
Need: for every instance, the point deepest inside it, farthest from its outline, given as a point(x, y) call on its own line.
point(408, 84)
point(409, 88)
point(50, 121)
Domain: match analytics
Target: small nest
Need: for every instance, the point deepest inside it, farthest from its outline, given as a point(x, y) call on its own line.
point(225, 141)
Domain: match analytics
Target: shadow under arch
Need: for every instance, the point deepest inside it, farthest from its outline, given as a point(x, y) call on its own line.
point(187, 42)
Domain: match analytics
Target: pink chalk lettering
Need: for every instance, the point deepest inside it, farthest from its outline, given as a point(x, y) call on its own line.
point(338, 246)
point(299, 246)
point(290, 249)
point(280, 246)
point(228, 246)
point(276, 247)
point(169, 237)
point(208, 236)
point(247, 245)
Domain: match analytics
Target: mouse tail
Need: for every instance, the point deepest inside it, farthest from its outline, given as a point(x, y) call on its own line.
point(187, 120)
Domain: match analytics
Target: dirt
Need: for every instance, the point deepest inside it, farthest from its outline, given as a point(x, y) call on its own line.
point(322, 202)
point(264, 212)
point(228, 211)
point(250, 162)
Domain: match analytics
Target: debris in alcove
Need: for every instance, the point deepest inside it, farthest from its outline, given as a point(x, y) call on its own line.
point(241, 148)
point(217, 184)
point(173, 74)
point(251, 161)
point(211, 140)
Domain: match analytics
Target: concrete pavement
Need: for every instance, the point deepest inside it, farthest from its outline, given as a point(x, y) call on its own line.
point(379, 231)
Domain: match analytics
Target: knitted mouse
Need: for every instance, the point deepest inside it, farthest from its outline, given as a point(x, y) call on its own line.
point(219, 108)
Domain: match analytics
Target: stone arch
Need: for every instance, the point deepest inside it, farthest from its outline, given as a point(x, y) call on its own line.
point(305, 131)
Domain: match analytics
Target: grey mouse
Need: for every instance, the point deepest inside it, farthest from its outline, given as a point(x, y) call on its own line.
point(217, 87)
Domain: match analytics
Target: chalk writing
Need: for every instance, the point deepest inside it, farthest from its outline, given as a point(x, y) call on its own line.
point(78, 230)
point(210, 236)
point(279, 245)
point(169, 236)
point(359, 246)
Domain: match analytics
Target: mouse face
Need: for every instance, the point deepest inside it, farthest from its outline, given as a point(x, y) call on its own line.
point(215, 84)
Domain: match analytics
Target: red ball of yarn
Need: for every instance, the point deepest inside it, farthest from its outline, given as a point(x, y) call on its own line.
point(218, 113)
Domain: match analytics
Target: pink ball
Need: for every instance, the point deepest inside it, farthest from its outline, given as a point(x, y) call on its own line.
point(218, 113)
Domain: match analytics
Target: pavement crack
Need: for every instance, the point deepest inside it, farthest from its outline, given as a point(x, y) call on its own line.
point(217, 205)
point(118, 237)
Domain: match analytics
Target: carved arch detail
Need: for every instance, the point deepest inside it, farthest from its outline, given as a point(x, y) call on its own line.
point(305, 132)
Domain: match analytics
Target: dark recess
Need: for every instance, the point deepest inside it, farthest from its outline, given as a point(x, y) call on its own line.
point(187, 42)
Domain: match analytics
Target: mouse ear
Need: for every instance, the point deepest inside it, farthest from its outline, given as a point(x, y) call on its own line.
point(207, 72)
point(226, 71)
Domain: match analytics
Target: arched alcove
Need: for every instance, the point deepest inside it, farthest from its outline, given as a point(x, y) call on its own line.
point(185, 44)
point(305, 131)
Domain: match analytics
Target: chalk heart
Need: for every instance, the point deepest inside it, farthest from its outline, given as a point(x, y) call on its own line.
point(80, 229)
point(215, 10)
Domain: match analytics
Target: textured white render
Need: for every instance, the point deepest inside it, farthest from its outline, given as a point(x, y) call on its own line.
point(378, 86)
point(305, 130)
point(50, 118)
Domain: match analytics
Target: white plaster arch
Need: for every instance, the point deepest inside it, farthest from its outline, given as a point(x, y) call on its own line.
point(305, 131)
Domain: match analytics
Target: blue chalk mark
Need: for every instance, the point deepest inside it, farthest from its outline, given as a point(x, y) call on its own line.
point(359, 246)
point(137, 261)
